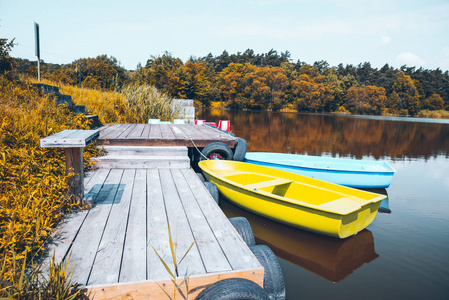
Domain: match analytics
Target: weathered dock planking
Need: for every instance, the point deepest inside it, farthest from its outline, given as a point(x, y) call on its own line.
point(162, 135)
point(111, 245)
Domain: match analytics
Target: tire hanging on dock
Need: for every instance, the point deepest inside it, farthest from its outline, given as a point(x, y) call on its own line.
point(213, 190)
point(240, 150)
point(217, 150)
point(243, 227)
point(273, 282)
point(233, 289)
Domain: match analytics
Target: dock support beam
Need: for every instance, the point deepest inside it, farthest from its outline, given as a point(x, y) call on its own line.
point(74, 166)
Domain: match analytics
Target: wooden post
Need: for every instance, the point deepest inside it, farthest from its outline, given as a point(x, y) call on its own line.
point(74, 164)
point(73, 142)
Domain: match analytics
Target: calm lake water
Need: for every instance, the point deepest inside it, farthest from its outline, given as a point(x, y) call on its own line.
point(404, 253)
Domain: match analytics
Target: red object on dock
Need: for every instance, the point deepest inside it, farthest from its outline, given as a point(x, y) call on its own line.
point(211, 123)
point(225, 125)
point(199, 122)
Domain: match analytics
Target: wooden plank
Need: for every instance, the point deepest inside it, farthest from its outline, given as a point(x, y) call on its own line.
point(69, 139)
point(109, 130)
point(127, 131)
point(157, 230)
point(191, 131)
point(137, 131)
point(134, 267)
point(179, 134)
point(117, 131)
point(146, 131)
point(155, 131)
point(88, 239)
point(166, 131)
point(152, 289)
point(106, 267)
point(208, 246)
point(93, 186)
point(235, 249)
point(66, 231)
point(216, 134)
point(180, 228)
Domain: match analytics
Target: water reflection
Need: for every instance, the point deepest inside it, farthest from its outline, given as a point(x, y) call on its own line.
point(346, 136)
point(330, 258)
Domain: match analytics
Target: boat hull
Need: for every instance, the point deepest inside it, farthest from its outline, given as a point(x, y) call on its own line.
point(347, 172)
point(313, 218)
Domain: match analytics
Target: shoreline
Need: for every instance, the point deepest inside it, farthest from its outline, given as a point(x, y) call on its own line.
point(371, 117)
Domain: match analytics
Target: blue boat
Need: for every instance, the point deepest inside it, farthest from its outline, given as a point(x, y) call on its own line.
point(348, 172)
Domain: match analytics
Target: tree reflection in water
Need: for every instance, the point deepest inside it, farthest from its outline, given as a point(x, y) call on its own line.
point(336, 135)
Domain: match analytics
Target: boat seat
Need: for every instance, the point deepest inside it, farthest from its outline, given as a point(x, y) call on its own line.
point(264, 184)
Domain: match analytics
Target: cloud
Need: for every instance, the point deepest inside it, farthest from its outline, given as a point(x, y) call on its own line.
point(409, 59)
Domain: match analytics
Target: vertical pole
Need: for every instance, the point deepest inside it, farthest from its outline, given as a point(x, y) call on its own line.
point(79, 69)
point(37, 50)
point(38, 70)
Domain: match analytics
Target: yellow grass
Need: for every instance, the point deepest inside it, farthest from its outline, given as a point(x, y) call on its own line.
point(33, 183)
point(436, 114)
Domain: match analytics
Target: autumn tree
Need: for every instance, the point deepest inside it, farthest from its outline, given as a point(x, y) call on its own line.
point(407, 94)
point(311, 94)
point(340, 85)
point(433, 102)
point(6, 61)
point(102, 72)
point(232, 84)
point(202, 80)
point(366, 100)
point(158, 71)
point(265, 88)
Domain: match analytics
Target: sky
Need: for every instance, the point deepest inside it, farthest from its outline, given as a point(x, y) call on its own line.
point(396, 32)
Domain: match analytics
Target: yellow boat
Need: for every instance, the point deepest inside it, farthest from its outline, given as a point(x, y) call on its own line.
point(293, 199)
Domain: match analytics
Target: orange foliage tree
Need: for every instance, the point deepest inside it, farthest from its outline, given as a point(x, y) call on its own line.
point(366, 100)
point(232, 84)
point(311, 94)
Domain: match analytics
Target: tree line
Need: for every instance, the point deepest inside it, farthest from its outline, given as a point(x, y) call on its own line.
point(268, 81)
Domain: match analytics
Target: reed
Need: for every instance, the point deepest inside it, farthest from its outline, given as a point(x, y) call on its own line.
point(436, 114)
point(143, 102)
point(177, 287)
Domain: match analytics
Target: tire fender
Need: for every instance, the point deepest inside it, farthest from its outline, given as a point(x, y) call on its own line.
point(201, 177)
point(217, 148)
point(273, 282)
point(243, 227)
point(240, 150)
point(233, 289)
point(213, 190)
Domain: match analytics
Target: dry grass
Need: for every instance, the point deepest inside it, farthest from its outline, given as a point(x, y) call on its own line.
point(132, 104)
point(436, 114)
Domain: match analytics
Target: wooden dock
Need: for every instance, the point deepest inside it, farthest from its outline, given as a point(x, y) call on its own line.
point(111, 245)
point(162, 135)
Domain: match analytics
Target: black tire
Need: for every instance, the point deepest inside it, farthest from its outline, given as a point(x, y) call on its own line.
point(213, 190)
point(240, 150)
point(217, 149)
point(233, 289)
point(243, 227)
point(273, 282)
point(201, 177)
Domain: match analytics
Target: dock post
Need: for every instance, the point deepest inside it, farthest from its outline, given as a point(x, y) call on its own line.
point(74, 164)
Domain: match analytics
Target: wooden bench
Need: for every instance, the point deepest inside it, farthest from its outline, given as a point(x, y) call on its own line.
point(73, 142)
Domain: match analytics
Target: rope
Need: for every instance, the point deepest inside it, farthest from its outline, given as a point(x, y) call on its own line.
point(196, 147)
